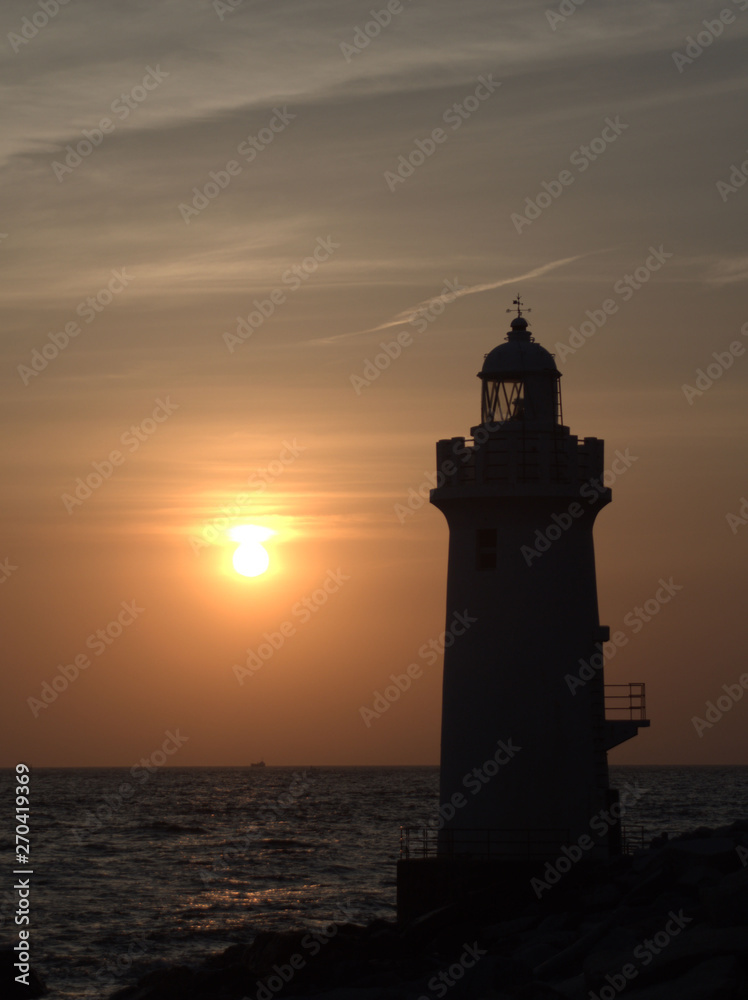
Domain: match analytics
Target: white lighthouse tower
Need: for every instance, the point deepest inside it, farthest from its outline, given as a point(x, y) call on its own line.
point(524, 748)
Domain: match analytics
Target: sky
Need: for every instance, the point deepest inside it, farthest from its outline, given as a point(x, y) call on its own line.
point(253, 255)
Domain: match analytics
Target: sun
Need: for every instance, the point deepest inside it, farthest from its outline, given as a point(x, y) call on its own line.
point(250, 558)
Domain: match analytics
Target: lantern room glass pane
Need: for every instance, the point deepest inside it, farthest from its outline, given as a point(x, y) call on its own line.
point(503, 401)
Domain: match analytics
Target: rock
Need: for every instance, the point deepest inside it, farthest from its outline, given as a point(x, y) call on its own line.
point(573, 987)
point(568, 960)
point(271, 948)
point(646, 860)
point(673, 899)
point(557, 922)
point(702, 943)
point(602, 897)
point(611, 953)
point(659, 840)
point(508, 928)
point(655, 962)
point(540, 991)
point(700, 833)
point(174, 983)
point(508, 972)
point(719, 850)
point(450, 940)
point(644, 886)
point(541, 946)
point(487, 975)
point(726, 903)
point(697, 877)
point(232, 980)
point(365, 993)
point(425, 927)
point(718, 979)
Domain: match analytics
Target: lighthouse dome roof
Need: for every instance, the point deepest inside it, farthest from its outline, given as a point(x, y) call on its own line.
point(519, 353)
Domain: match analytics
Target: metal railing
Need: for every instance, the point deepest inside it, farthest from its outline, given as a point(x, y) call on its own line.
point(632, 839)
point(631, 701)
point(423, 842)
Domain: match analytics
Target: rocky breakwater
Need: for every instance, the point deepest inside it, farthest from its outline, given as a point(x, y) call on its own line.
point(668, 922)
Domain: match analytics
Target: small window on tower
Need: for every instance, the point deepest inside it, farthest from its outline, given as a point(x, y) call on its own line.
point(486, 548)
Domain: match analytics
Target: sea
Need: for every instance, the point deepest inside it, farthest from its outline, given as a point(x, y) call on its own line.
point(133, 870)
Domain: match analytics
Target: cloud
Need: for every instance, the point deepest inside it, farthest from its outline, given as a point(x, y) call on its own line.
point(728, 271)
point(406, 315)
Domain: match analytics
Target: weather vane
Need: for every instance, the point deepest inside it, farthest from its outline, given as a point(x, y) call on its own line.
point(518, 303)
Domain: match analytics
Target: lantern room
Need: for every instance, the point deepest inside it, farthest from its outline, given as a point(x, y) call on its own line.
point(521, 384)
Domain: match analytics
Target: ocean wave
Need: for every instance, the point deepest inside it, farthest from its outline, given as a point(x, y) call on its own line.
point(163, 826)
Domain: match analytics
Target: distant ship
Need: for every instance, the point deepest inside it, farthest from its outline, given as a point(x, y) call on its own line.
point(258, 763)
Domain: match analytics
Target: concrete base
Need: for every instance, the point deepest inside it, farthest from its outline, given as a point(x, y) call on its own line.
point(427, 884)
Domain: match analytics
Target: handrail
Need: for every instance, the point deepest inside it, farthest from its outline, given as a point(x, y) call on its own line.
point(632, 839)
point(421, 842)
point(483, 842)
point(634, 698)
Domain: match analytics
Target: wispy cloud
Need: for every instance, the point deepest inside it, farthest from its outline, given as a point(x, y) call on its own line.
point(727, 271)
point(406, 315)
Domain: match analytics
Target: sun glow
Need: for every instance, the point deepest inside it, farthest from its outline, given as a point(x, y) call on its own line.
point(250, 557)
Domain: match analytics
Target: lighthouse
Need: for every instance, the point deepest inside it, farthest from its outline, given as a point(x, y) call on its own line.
point(527, 720)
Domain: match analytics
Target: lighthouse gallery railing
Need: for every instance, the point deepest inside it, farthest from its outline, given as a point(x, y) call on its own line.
point(627, 701)
point(421, 842)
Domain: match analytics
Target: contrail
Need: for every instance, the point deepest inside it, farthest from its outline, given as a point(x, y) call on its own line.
point(408, 314)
